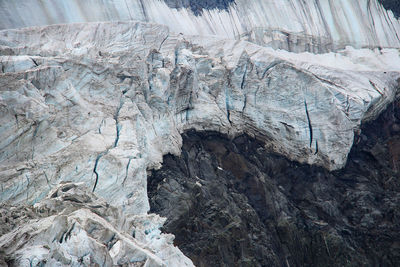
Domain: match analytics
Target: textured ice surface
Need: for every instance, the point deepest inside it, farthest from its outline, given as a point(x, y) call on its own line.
point(295, 25)
point(73, 227)
point(101, 103)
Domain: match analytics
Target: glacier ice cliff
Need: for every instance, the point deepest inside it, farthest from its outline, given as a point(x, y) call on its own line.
point(316, 26)
point(121, 94)
point(88, 110)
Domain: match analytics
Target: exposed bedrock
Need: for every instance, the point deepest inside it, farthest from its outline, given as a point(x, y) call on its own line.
point(230, 202)
point(197, 6)
point(393, 5)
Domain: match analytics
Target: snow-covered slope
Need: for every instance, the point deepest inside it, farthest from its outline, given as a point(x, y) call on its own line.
point(295, 25)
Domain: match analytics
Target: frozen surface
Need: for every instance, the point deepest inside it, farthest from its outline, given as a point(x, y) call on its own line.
point(101, 103)
point(73, 227)
point(295, 25)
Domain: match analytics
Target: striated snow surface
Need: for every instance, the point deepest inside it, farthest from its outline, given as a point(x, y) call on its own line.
point(101, 103)
point(295, 25)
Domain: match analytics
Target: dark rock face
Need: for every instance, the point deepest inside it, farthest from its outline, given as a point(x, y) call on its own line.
point(393, 5)
point(197, 6)
point(232, 203)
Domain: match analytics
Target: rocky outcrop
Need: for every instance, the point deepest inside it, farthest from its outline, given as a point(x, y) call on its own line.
point(393, 5)
point(230, 202)
point(317, 26)
point(197, 7)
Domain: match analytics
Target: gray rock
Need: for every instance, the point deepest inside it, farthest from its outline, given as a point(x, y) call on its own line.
point(197, 7)
point(393, 5)
point(235, 204)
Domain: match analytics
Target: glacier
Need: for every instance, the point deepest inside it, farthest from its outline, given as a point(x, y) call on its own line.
point(316, 26)
point(90, 105)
